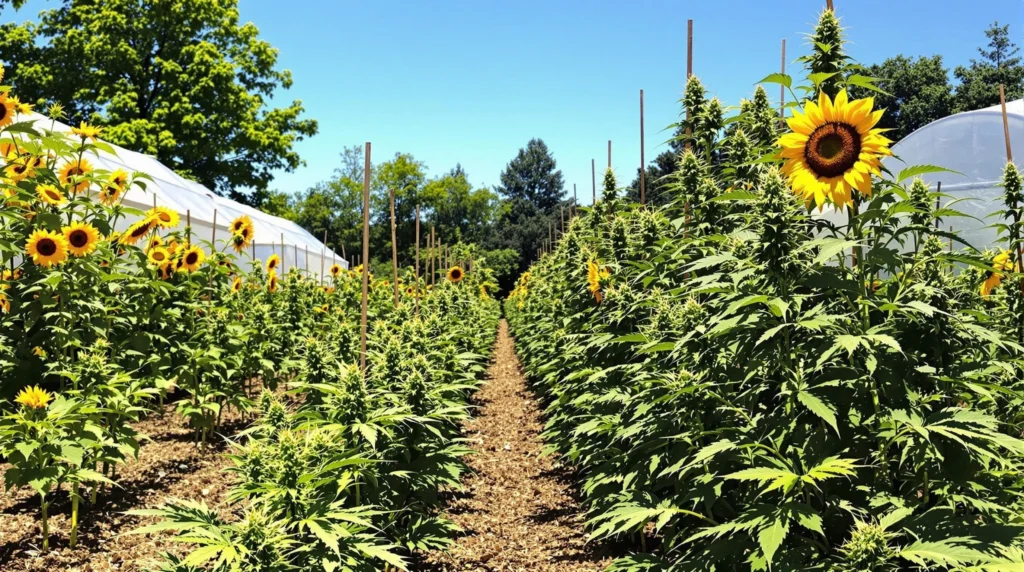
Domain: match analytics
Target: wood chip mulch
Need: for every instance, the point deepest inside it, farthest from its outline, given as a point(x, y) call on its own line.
point(518, 510)
point(169, 465)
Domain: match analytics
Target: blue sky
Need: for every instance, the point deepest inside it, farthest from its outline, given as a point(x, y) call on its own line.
point(470, 82)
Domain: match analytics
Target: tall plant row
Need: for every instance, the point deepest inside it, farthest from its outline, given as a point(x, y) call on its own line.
point(99, 328)
point(743, 383)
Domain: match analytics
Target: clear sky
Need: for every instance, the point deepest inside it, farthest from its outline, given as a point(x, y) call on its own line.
point(471, 81)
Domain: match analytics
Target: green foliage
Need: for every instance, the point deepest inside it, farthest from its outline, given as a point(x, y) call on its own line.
point(183, 81)
point(735, 394)
point(916, 92)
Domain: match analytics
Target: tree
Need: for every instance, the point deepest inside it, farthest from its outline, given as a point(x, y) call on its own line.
point(181, 80)
point(533, 176)
point(979, 82)
point(917, 92)
point(532, 188)
point(455, 206)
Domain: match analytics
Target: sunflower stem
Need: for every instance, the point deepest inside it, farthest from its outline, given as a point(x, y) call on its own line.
point(46, 525)
point(74, 515)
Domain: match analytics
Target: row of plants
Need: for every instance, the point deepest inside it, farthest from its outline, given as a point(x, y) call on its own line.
point(343, 470)
point(745, 384)
point(100, 327)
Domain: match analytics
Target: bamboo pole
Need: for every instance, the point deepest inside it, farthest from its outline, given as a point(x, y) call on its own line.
point(366, 254)
point(394, 247)
point(643, 174)
point(416, 271)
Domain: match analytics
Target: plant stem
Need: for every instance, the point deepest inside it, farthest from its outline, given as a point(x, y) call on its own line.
point(46, 524)
point(74, 515)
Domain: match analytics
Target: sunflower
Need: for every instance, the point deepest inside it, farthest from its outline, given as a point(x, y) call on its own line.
point(329, 289)
point(138, 230)
point(86, 131)
point(109, 194)
point(47, 248)
point(50, 195)
point(158, 255)
point(272, 282)
point(165, 217)
point(167, 270)
point(21, 107)
point(172, 245)
point(236, 284)
point(455, 274)
point(154, 241)
point(19, 171)
point(82, 238)
point(5, 303)
point(241, 239)
point(410, 290)
point(273, 262)
point(34, 397)
point(335, 269)
point(596, 273)
point(192, 258)
point(73, 174)
point(6, 110)
point(992, 279)
point(833, 149)
point(241, 222)
point(119, 179)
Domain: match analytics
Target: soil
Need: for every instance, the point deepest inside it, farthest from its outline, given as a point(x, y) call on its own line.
point(169, 465)
point(518, 511)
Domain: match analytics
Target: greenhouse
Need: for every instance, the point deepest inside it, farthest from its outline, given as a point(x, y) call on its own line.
point(972, 144)
point(273, 235)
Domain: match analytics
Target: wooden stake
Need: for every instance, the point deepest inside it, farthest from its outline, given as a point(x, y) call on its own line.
point(323, 256)
point(575, 201)
point(561, 212)
point(609, 153)
point(643, 174)
point(213, 232)
point(828, 3)
point(188, 227)
point(937, 203)
point(282, 253)
point(1009, 159)
point(689, 72)
point(416, 271)
point(394, 246)
point(593, 183)
point(1006, 124)
point(307, 261)
point(433, 253)
point(366, 255)
point(782, 88)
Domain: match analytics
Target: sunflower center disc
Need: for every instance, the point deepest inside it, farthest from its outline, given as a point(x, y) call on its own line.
point(78, 239)
point(832, 149)
point(46, 247)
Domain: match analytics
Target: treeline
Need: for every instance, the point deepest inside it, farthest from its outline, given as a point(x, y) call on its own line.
point(506, 224)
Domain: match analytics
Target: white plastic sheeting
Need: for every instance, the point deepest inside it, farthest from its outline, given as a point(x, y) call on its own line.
point(971, 143)
point(272, 234)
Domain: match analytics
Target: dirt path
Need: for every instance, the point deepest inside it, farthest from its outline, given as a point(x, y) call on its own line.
point(518, 510)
